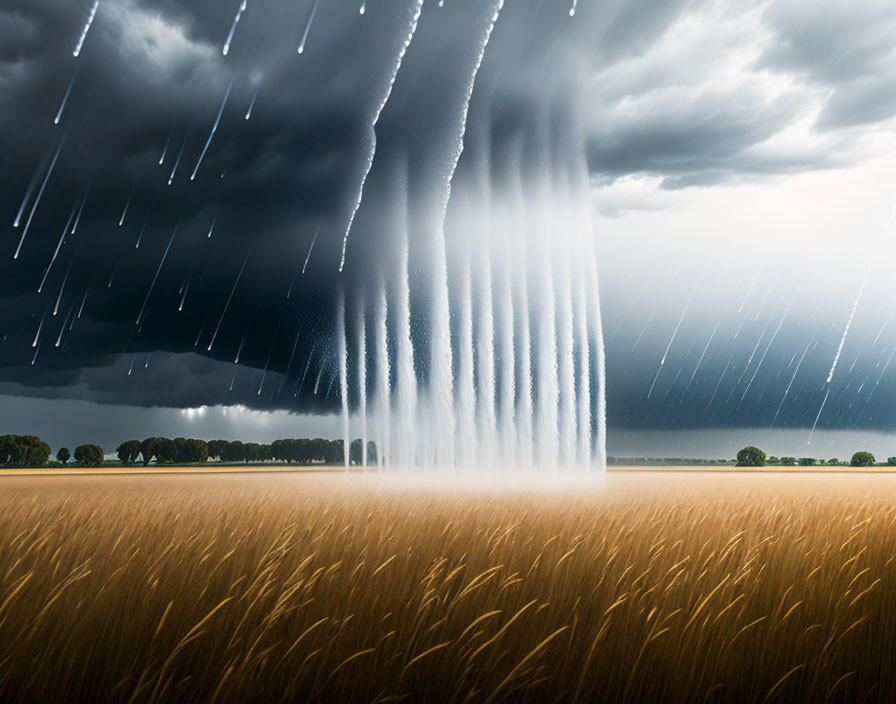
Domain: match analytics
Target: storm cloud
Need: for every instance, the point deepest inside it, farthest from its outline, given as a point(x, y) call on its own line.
point(673, 96)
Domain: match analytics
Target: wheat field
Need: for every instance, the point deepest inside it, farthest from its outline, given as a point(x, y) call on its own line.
point(327, 588)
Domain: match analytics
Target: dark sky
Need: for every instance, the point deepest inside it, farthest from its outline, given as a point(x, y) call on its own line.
point(685, 107)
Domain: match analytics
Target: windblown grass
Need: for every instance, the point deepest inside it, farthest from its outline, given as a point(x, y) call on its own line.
point(243, 588)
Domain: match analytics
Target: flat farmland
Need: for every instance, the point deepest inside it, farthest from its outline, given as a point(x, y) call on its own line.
point(274, 586)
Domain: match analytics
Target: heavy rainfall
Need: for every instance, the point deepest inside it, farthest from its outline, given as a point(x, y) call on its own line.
point(409, 242)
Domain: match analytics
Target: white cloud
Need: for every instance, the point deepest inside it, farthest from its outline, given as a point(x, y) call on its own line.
point(723, 95)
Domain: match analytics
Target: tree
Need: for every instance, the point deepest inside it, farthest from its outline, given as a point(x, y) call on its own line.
point(862, 459)
point(37, 452)
point(215, 448)
point(198, 450)
point(807, 461)
point(251, 452)
point(751, 457)
point(336, 451)
point(63, 455)
point(89, 455)
point(148, 450)
point(232, 451)
point(833, 461)
point(8, 449)
point(788, 461)
point(166, 450)
point(354, 451)
point(182, 451)
point(773, 460)
point(280, 450)
point(226, 450)
point(356, 455)
point(891, 461)
point(23, 451)
point(128, 451)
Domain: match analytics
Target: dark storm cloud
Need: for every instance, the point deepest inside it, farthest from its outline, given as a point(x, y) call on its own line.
point(695, 142)
point(152, 74)
point(164, 379)
point(67, 422)
point(845, 48)
point(678, 110)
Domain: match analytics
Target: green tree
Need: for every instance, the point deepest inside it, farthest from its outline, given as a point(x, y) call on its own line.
point(182, 451)
point(751, 457)
point(862, 459)
point(214, 449)
point(23, 451)
point(354, 451)
point(233, 452)
point(230, 450)
point(336, 452)
point(891, 461)
point(833, 461)
point(8, 449)
point(128, 451)
point(63, 455)
point(355, 454)
point(89, 455)
point(166, 450)
point(788, 461)
point(808, 461)
point(37, 452)
point(251, 452)
point(148, 450)
point(280, 450)
point(198, 451)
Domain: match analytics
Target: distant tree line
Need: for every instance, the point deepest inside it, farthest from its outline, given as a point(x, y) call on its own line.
point(31, 451)
point(751, 456)
point(661, 461)
point(163, 451)
point(23, 451)
point(191, 451)
point(305, 451)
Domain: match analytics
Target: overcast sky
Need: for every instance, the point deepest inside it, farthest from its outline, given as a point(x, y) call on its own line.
point(742, 171)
